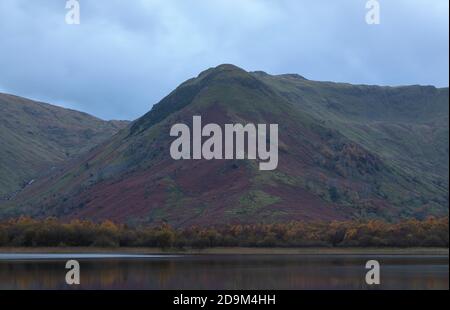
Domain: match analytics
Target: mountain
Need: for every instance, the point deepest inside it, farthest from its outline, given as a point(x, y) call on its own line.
point(345, 152)
point(35, 137)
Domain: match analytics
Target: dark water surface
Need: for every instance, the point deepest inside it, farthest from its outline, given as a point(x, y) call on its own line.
point(124, 271)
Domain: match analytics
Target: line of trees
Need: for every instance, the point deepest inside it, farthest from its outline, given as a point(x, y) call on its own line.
point(25, 231)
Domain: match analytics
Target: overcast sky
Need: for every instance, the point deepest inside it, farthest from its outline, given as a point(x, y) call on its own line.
point(127, 55)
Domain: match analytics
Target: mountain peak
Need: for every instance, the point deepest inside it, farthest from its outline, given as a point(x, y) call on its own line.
point(221, 69)
point(183, 95)
point(228, 67)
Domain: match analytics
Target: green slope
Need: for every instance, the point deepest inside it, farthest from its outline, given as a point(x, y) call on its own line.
point(35, 136)
point(406, 126)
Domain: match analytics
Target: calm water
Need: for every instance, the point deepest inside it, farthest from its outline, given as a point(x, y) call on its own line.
point(115, 271)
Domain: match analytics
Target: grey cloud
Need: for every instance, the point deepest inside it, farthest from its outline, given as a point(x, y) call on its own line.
point(127, 55)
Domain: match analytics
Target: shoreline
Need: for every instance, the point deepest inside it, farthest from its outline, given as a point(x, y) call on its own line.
point(232, 251)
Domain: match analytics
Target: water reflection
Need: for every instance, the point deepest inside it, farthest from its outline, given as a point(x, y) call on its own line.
point(229, 272)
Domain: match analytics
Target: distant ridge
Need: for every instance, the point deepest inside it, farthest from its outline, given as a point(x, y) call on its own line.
point(35, 136)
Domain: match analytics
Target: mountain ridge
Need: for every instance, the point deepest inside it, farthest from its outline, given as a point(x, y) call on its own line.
point(343, 154)
point(36, 136)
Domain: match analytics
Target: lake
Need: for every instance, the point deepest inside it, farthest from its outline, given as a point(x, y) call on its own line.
point(130, 271)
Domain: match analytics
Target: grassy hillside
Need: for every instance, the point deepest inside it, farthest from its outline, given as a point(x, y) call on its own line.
point(346, 152)
point(34, 137)
point(405, 126)
point(383, 119)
